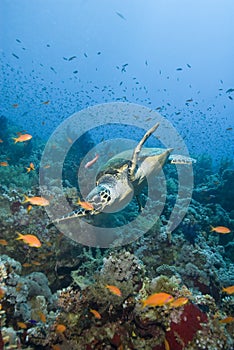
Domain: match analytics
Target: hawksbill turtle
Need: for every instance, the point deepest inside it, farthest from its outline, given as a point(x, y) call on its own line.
point(124, 176)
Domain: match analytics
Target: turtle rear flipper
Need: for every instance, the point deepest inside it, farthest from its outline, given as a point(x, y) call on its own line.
point(179, 159)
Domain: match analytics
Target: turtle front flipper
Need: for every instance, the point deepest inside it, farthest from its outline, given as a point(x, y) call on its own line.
point(106, 195)
point(137, 150)
point(80, 212)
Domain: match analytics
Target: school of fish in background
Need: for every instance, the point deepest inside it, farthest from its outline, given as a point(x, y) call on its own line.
point(36, 109)
point(159, 293)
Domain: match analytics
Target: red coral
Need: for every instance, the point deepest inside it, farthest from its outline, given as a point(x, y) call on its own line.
point(183, 332)
point(1, 342)
point(116, 340)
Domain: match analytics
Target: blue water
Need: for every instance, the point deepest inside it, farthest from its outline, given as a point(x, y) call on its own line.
point(176, 56)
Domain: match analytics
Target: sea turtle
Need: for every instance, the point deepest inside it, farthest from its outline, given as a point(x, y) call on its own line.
point(123, 177)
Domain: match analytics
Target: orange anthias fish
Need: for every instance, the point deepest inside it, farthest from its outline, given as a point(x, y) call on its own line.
point(22, 325)
point(91, 162)
point(31, 240)
point(26, 264)
point(114, 290)
point(228, 319)
point(31, 167)
point(4, 163)
point(3, 242)
point(2, 292)
point(220, 229)
point(15, 105)
point(29, 208)
point(46, 102)
point(157, 299)
point(22, 138)
point(95, 313)
point(85, 205)
point(229, 290)
point(60, 328)
point(179, 302)
point(41, 201)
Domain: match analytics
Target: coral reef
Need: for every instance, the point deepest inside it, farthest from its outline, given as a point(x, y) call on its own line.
point(123, 322)
point(22, 290)
point(56, 297)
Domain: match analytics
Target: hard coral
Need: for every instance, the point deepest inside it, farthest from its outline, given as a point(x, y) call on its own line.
point(122, 267)
point(20, 290)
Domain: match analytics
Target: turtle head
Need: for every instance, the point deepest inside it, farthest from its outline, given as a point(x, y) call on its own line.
point(99, 197)
point(112, 192)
